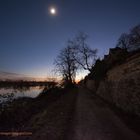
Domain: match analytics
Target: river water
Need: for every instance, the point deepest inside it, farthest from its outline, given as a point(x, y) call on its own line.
point(11, 93)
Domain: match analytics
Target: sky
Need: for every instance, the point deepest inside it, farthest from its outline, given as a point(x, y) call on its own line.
point(31, 37)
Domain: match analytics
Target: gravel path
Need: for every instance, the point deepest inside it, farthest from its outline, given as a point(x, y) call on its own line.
point(95, 121)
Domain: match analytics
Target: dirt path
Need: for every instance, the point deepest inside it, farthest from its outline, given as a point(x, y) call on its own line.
point(95, 121)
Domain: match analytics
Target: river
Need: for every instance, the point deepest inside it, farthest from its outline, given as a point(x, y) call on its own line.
point(11, 93)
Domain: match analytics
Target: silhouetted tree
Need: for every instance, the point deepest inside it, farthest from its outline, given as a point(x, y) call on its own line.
point(136, 31)
point(135, 35)
point(77, 55)
point(123, 41)
point(66, 65)
point(83, 54)
point(130, 41)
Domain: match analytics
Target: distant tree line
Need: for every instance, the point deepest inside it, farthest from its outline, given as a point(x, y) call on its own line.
point(20, 84)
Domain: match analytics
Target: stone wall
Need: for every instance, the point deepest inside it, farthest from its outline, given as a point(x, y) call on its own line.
point(121, 86)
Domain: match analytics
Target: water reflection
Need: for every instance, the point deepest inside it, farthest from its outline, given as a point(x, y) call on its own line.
point(12, 93)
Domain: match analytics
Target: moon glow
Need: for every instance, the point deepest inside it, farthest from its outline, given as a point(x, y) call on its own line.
point(52, 11)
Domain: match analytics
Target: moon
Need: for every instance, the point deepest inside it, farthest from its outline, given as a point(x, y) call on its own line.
point(53, 11)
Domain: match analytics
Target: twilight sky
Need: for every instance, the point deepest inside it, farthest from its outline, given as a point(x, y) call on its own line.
point(30, 37)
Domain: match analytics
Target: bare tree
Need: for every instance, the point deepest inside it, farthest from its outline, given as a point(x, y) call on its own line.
point(83, 54)
point(135, 35)
point(136, 31)
point(66, 65)
point(123, 41)
point(130, 41)
point(75, 56)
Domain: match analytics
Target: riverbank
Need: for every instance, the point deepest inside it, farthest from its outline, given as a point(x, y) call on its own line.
point(52, 108)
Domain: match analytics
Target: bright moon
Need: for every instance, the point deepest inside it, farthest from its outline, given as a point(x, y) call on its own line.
point(53, 11)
